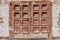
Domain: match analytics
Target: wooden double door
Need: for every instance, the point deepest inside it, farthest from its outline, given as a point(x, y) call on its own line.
point(30, 17)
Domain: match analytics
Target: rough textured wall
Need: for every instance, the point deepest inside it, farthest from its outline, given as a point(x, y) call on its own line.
point(4, 27)
point(55, 12)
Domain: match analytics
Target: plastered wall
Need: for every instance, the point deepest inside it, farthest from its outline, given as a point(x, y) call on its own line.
point(55, 26)
point(4, 27)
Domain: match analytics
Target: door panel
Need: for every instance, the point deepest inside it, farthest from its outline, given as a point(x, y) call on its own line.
point(31, 17)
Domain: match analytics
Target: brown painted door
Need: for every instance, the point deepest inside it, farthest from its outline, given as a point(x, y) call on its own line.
point(31, 17)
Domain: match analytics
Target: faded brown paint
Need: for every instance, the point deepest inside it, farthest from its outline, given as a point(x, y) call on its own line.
point(31, 19)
